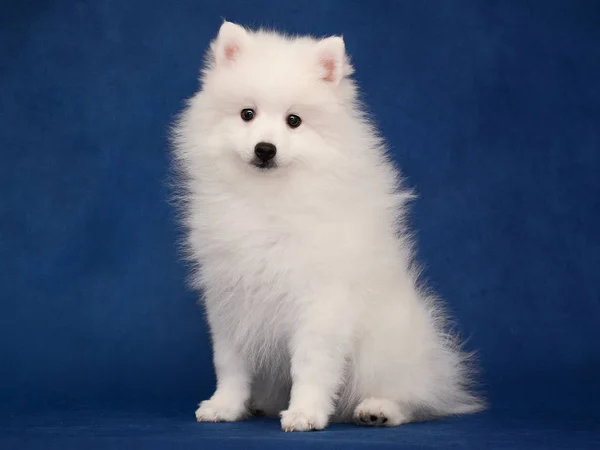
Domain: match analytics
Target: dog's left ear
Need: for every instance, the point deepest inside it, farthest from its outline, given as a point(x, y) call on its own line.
point(333, 62)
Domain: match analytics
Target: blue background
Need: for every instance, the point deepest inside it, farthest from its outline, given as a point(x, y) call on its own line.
point(492, 110)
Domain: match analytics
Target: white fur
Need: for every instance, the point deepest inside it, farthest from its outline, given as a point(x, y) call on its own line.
point(309, 285)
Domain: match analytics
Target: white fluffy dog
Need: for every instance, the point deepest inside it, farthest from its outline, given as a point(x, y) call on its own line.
point(296, 227)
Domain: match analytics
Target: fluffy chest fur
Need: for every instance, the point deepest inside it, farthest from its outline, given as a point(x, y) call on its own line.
point(262, 257)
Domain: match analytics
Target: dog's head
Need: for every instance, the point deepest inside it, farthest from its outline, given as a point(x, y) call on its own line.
point(273, 101)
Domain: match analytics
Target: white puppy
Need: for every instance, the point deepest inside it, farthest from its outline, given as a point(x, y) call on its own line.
point(296, 227)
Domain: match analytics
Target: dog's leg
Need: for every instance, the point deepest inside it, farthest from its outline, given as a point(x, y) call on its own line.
point(318, 349)
point(228, 403)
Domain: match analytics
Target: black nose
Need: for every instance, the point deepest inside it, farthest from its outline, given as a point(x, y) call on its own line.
point(265, 151)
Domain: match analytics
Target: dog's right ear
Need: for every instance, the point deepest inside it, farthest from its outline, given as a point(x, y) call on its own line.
point(229, 43)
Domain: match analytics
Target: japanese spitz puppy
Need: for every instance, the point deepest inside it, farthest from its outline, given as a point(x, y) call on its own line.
point(295, 219)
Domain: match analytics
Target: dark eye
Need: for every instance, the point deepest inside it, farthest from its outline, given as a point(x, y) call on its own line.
point(247, 114)
point(293, 121)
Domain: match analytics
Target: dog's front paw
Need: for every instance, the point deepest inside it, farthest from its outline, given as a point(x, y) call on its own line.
point(303, 420)
point(215, 411)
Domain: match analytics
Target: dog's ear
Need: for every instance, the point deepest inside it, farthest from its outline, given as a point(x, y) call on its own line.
point(333, 62)
point(229, 43)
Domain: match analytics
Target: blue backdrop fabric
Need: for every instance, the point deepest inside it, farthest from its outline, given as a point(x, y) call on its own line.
point(492, 110)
